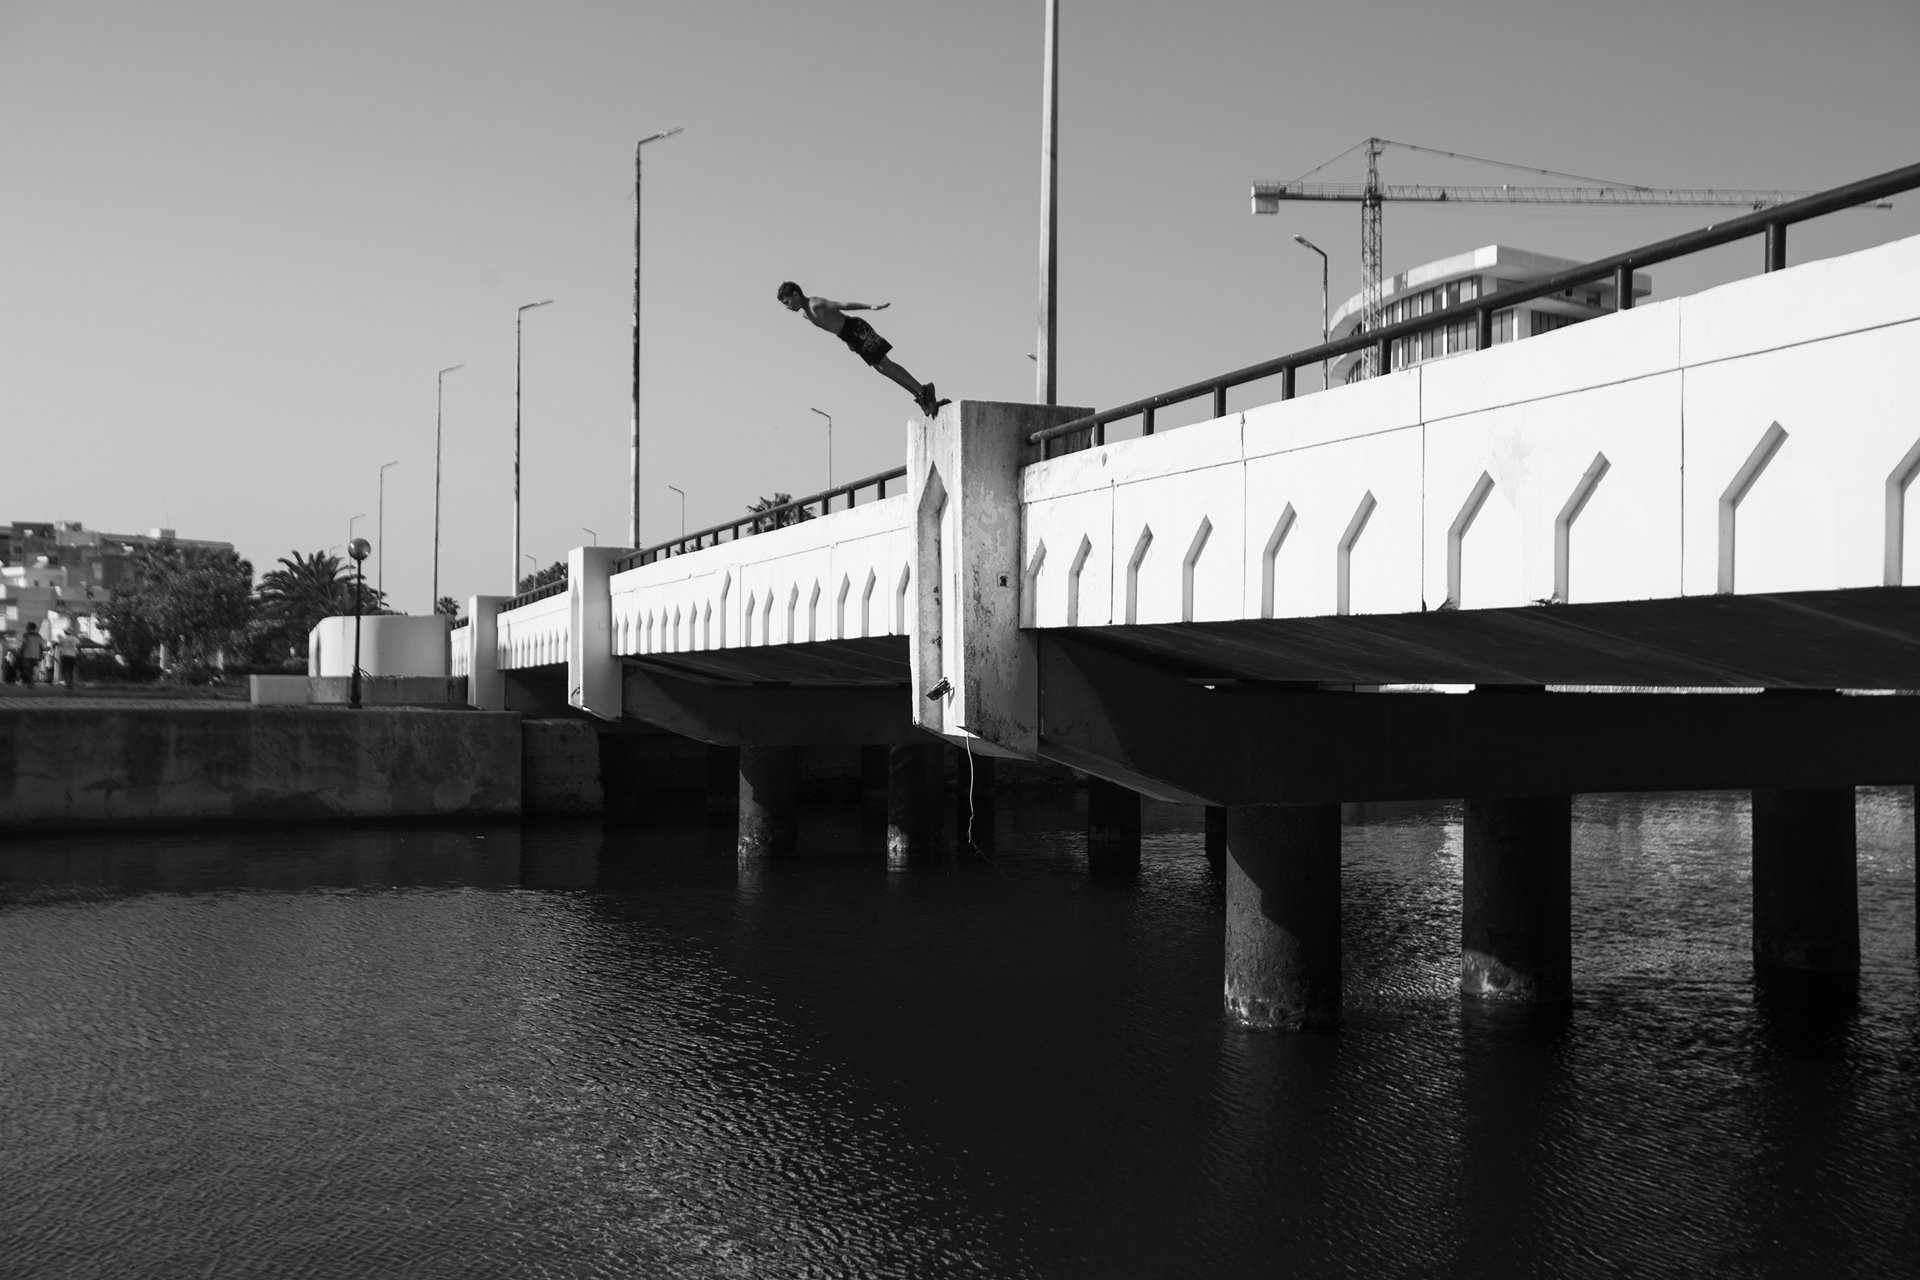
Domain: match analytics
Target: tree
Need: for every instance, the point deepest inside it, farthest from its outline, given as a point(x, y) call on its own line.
point(447, 605)
point(555, 572)
point(195, 601)
point(295, 596)
point(778, 519)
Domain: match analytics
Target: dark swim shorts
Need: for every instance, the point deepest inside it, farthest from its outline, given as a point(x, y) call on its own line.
point(863, 341)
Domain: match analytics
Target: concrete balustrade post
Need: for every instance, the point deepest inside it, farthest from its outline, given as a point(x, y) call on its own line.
point(769, 796)
point(1283, 916)
point(1113, 827)
point(1516, 900)
point(915, 797)
point(1806, 910)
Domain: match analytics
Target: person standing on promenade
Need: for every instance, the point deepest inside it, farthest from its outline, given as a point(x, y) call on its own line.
point(33, 647)
point(66, 651)
point(860, 338)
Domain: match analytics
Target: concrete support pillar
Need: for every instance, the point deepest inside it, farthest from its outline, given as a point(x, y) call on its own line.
point(915, 798)
point(1516, 899)
point(1806, 911)
point(1217, 839)
point(1283, 916)
point(1113, 827)
point(486, 686)
point(769, 795)
point(973, 810)
point(723, 782)
point(873, 798)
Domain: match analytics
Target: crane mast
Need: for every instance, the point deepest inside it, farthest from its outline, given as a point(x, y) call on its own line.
point(1371, 195)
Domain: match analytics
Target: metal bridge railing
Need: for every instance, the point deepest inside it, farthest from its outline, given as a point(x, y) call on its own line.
point(541, 592)
point(1771, 223)
point(787, 513)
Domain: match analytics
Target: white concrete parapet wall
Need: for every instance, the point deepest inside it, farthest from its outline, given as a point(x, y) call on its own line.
point(391, 644)
point(534, 635)
point(838, 577)
point(1758, 437)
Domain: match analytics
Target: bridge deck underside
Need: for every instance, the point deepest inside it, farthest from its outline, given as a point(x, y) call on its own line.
point(872, 661)
point(1867, 638)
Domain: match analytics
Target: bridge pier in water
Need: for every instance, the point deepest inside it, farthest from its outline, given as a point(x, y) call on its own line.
point(1283, 916)
point(1516, 899)
point(1113, 827)
point(1806, 911)
point(769, 801)
point(916, 785)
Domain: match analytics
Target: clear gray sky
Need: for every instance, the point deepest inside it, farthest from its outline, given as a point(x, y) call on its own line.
point(238, 237)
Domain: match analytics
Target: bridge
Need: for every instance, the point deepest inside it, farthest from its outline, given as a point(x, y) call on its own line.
point(1283, 607)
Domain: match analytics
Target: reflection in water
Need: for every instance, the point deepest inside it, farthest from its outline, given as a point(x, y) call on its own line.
point(585, 1051)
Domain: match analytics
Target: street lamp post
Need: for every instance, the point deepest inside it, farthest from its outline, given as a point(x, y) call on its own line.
point(358, 549)
point(829, 417)
point(683, 507)
point(591, 534)
point(361, 516)
point(439, 406)
point(517, 318)
point(380, 533)
point(633, 450)
point(1306, 243)
point(1044, 385)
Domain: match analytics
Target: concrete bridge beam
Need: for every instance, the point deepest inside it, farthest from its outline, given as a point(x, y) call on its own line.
point(1283, 916)
point(1516, 919)
point(769, 801)
point(1806, 912)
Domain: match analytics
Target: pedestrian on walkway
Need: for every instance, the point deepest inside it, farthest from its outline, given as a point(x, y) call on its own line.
point(66, 651)
point(33, 648)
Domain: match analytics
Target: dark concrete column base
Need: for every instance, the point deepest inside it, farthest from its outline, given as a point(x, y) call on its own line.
point(1113, 827)
point(873, 798)
point(1806, 909)
point(916, 794)
point(1516, 899)
point(1217, 839)
point(769, 801)
point(1283, 916)
point(723, 782)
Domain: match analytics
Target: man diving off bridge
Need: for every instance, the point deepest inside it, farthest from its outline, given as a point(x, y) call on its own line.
point(860, 338)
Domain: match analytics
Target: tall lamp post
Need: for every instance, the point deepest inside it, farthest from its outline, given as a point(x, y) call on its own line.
point(633, 450)
point(1044, 386)
point(683, 507)
point(1308, 244)
point(358, 549)
point(439, 406)
point(380, 533)
point(519, 315)
point(591, 534)
point(829, 417)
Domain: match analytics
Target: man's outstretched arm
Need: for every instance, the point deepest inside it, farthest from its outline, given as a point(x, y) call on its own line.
point(856, 306)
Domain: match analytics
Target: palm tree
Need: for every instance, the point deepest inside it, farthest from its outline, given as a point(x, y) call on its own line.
point(778, 519)
point(305, 589)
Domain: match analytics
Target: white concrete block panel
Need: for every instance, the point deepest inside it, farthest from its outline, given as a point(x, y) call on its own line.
point(1074, 584)
point(1820, 504)
point(1815, 300)
point(1363, 495)
point(1622, 541)
point(1621, 347)
point(534, 635)
point(1177, 581)
point(391, 644)
point(1377, 405)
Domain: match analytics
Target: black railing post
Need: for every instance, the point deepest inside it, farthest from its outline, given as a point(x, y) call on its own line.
point(1776, 246)
point(1146, 421)
point(1286, 383)
point(1483, 328)
point(1383, 355)
point(1220, 401)
point(1099, 434)
point(1623, 289)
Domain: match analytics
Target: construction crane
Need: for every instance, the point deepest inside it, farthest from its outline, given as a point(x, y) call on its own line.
point(1371, 195)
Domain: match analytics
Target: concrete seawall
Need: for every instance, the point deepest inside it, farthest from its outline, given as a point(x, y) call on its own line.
point(77, 766)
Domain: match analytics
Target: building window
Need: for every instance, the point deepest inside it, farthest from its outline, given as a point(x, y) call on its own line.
point(1547, 322)
point(1504, 328)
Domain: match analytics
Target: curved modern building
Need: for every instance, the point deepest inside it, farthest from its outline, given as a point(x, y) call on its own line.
point(1454, 283)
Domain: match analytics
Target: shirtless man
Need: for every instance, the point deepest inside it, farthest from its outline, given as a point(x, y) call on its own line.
point(860, 338)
